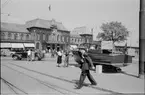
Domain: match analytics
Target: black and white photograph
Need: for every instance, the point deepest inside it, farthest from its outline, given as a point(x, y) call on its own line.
point(72, 47)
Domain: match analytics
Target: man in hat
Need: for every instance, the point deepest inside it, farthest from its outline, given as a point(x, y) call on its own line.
point(86, 66)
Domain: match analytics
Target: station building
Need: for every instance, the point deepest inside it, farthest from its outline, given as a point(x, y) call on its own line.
point(41, 34)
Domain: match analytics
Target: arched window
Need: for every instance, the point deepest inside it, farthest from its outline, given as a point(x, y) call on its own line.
point(57, 37)
point(27, 36)
point(43, 36)
point(21, 36)
point(67, 39)
point(9, 35)
point(72, 39)
point(15, 36)
point(38, 37)
point(37, 45)
point(3, 35)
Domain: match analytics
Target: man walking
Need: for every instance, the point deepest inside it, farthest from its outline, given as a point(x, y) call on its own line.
point(86, 66)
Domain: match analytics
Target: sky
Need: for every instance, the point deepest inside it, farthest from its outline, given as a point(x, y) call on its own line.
point(76, 13)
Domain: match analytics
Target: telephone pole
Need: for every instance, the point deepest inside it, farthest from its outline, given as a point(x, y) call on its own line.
point(142, 38)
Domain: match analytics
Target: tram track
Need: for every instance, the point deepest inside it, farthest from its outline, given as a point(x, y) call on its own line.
point(65, 80)
point(12, 86)
point(61, 90)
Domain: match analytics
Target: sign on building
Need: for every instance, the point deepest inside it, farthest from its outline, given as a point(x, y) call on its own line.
point(106, 45)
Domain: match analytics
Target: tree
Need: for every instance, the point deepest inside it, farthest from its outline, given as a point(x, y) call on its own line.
point(113, 31)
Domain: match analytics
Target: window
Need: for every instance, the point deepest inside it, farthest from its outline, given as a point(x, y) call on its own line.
point(9, 35)
point(38, 37)
point(87, 40)
point(24, 36)
point(71, 39)
point(43, 36)
point(21, 36)
point(15, 36)
point(62, 39)
point(27, 36)
point(3, 36)
point(67, 39)
point(48, 37)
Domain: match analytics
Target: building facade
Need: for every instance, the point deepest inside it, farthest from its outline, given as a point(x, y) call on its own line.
point(15, 36)
point(40, 34)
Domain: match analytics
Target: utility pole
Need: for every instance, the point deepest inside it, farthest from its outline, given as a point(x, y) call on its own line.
point(142, 38)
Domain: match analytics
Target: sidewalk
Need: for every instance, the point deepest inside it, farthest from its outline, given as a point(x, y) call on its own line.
point(107, 83)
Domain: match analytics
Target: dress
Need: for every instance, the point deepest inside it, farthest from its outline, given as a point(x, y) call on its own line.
point(59, 58)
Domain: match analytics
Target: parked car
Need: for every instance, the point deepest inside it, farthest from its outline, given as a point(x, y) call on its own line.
point(2, 53)
point(6, 52)
point(23, 55)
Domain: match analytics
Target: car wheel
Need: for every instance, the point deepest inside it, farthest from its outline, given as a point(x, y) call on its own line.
point(36, 58)
point(15, 57)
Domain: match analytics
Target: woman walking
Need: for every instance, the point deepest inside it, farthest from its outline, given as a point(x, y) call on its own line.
point(59, 58)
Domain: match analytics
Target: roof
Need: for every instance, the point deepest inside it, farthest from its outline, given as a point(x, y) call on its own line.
point(74, 35)
point(128, 44)
point(81, 30)
point(45, 24)
point(13, 27)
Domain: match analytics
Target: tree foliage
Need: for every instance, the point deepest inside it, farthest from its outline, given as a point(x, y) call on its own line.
point(113, 31)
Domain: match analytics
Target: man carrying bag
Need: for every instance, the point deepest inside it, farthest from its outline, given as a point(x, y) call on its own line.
point(86, 65)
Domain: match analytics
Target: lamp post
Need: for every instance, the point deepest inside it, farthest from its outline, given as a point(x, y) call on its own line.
point(142, 38)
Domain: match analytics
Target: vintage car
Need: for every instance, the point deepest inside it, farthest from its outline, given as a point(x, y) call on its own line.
point(23, 55)
point(6, 52)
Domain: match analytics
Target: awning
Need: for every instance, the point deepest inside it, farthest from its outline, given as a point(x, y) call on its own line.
point(29, 45)
point(5, 45)
point(17, 45)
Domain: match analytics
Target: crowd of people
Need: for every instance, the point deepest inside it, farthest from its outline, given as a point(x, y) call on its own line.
point(60, 54)
point(33, 54)
point(85, 62)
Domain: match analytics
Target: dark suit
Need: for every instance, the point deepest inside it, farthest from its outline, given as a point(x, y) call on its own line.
point(86, 65)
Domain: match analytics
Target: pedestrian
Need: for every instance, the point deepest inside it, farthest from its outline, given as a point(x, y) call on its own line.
point(29, 53)
point(52, 53)
point(66, 61)
point(86, 65)
point(59, 58)
point(33, 55)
